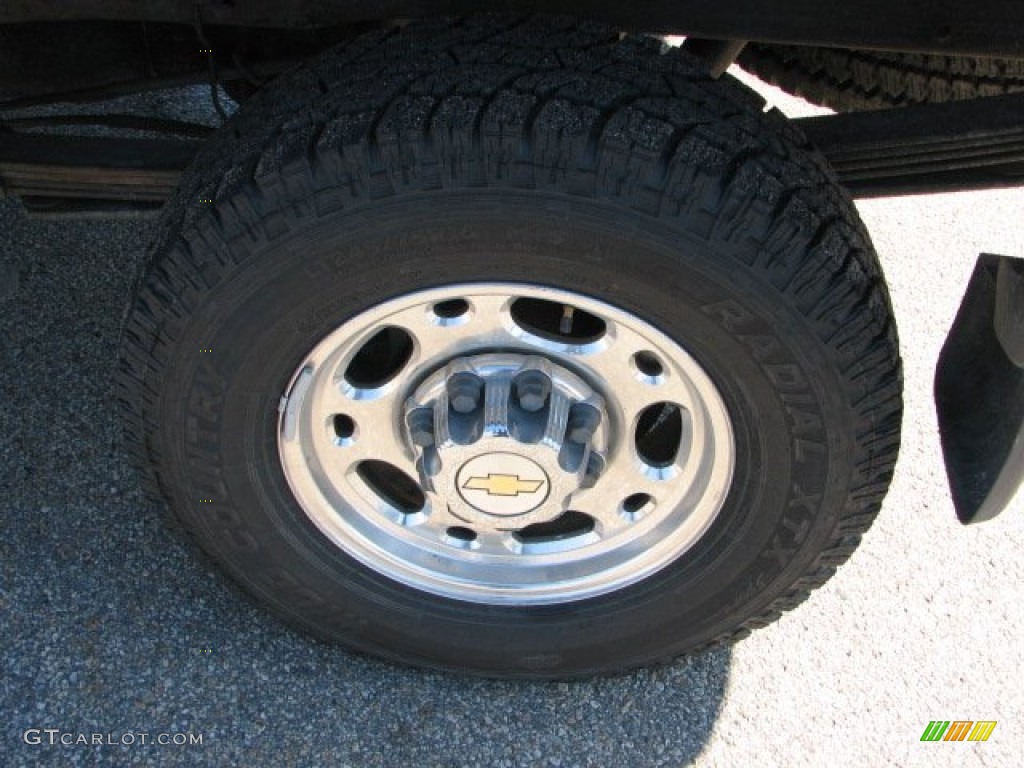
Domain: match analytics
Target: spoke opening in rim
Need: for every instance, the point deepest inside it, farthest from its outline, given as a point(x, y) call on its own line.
point(636, 505)
point(344, 429)
point(569, 523)
point(451, 309)
point(659, 433)
point(558, 322)
point(392, 485)
point(380, 358)
point(648, 364)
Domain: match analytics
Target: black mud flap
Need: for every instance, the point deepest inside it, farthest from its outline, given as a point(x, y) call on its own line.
point(979, 391)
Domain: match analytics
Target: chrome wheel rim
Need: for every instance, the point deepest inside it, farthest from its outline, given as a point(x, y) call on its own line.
point(594, 450)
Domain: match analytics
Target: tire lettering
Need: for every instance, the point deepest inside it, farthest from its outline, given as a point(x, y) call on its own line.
point(806, 450)
point(241, 540)
point(729, 313)
point(300, 596)
point(803, 500)
point(763, 347)
point(799, 529)
point(207, 394)
point(755, 585)
point(786, 376)
point(205, 401)
point(780, 553)
point(807, 426)
point(802, 509)
point(804, 422)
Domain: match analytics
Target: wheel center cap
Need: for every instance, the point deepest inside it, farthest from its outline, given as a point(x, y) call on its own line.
point(503, 484)
point(503, 441)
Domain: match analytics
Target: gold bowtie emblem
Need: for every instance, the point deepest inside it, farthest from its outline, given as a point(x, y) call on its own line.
point(502, 485)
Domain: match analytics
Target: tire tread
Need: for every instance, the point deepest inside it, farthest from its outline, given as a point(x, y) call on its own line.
point(849, 80)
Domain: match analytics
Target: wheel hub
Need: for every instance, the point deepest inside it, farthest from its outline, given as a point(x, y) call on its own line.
point(504, 441)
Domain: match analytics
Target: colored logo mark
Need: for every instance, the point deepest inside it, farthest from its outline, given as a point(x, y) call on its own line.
point(503, 485)
point(958, 730)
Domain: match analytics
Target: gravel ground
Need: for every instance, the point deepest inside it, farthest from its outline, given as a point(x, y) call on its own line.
point(110, 627)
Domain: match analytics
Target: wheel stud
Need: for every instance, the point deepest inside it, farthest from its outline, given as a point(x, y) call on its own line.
point(583, 422)
point(421, 427)
point(532, 389)
point(464, 391)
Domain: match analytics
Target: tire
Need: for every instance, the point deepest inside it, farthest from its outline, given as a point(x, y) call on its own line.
point(418, 172)
point(851, 80)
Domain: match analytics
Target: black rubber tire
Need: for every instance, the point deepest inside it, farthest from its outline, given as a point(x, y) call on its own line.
point(851, 80)
point(601, 164)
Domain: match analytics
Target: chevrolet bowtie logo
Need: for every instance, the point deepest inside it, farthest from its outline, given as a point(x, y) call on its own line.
point(503, 485)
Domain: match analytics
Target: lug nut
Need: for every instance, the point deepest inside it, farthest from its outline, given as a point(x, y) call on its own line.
point(532, 389)
point(583, 422)
point(464, 391)
point(421, 427)
point(595, 466)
